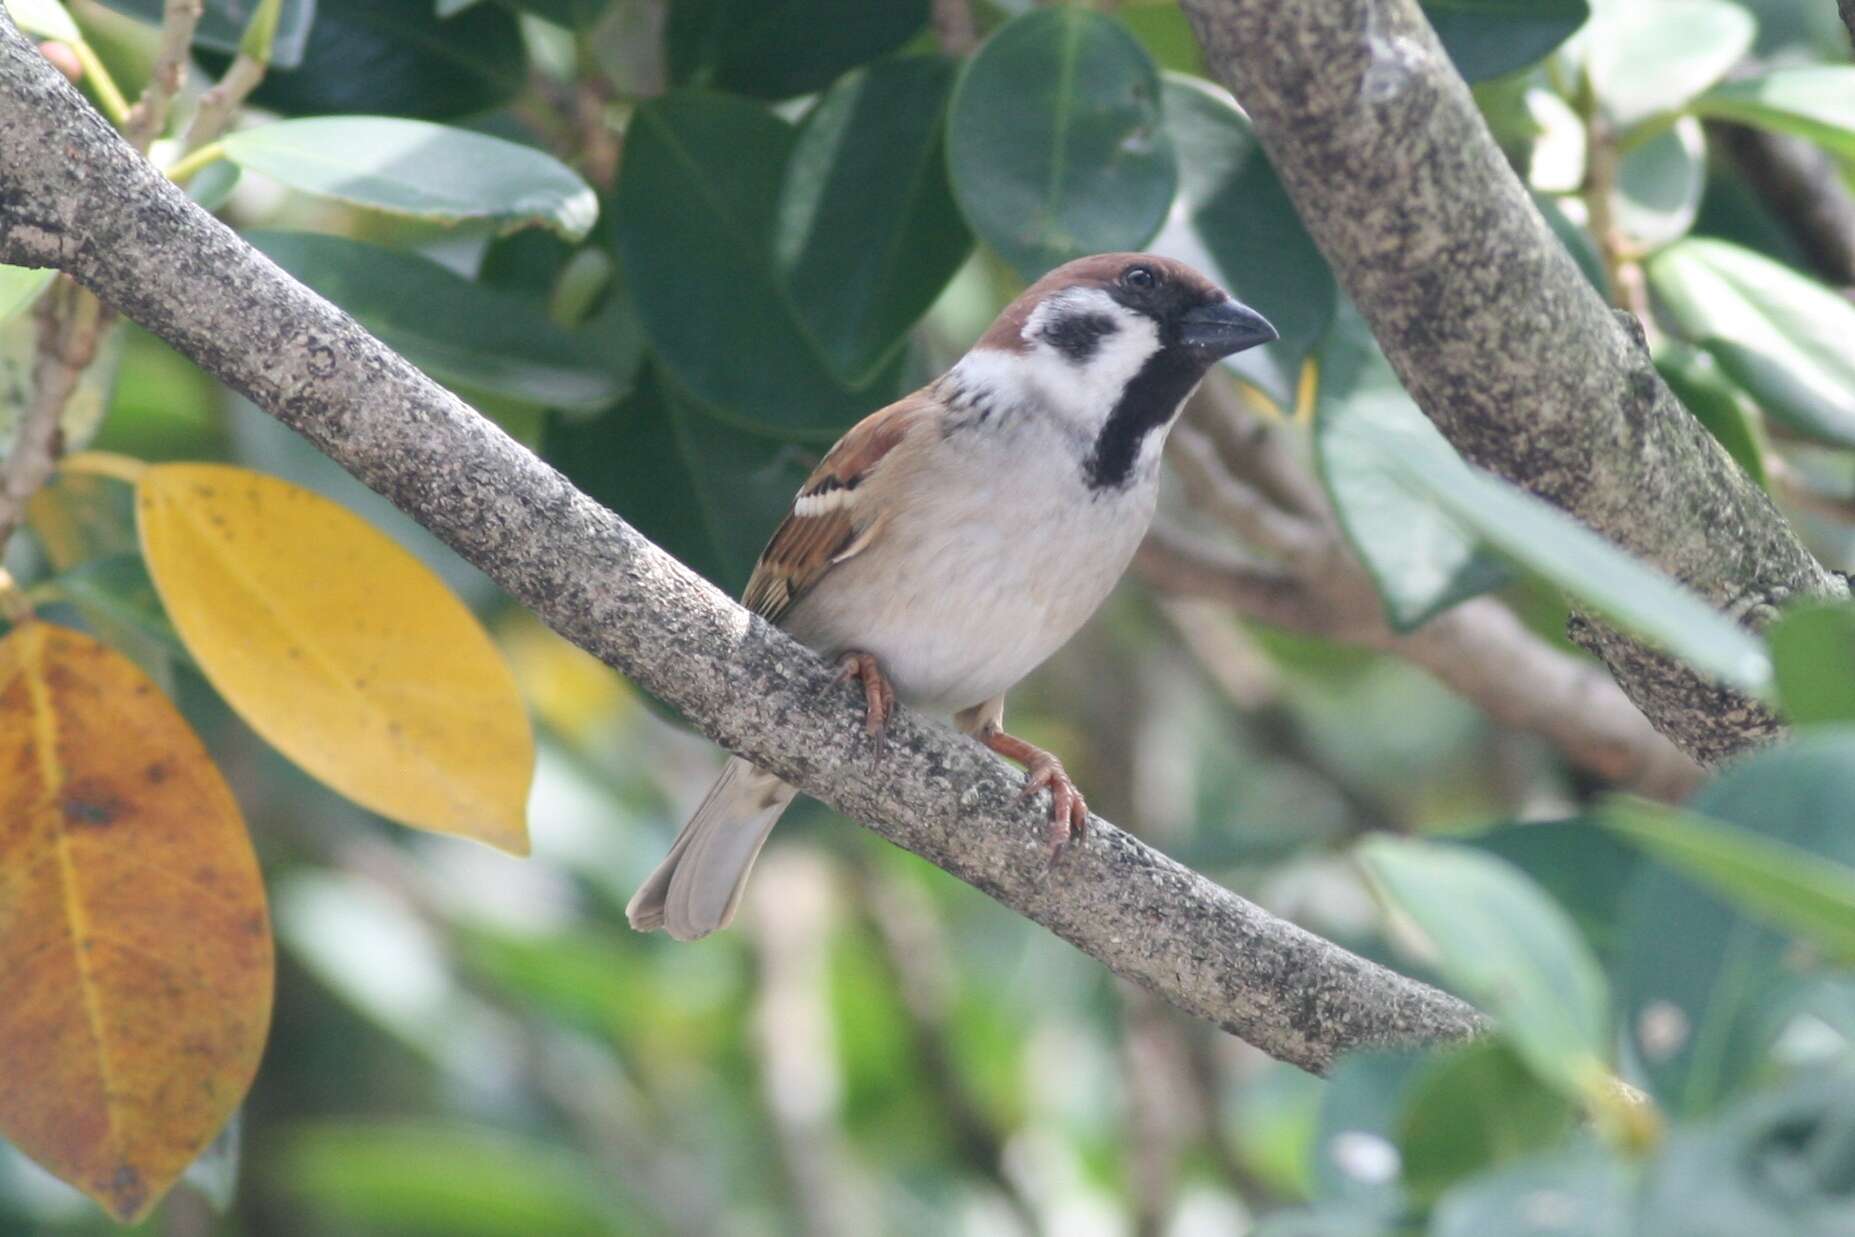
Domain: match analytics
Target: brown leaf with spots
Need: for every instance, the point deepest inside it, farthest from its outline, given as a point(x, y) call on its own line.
point(135, 948)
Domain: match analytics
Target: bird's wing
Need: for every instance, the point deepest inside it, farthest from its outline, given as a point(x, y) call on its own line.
point(834, 516)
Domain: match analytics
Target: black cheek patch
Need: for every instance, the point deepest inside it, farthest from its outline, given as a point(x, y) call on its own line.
point(1078, 336)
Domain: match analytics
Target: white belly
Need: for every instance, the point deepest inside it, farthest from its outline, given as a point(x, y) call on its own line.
point(969, 591)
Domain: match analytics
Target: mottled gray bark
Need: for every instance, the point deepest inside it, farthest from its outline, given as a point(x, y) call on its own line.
point(1495, 332)
point(73, 195)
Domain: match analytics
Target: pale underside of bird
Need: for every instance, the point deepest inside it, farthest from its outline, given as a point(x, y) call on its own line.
point(952, 541)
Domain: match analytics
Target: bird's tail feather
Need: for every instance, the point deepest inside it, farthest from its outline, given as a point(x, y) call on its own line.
point(696, 888)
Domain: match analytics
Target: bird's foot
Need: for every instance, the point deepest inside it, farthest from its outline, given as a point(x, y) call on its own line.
point(1069, 814)
point(878, 695)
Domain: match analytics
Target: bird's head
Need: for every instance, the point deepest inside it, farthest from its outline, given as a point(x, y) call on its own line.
point(1111, 345)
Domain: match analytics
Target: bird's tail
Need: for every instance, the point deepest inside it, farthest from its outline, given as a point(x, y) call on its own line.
point(695, 889)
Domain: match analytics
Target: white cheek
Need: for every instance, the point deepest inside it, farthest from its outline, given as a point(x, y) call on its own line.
point(1086, 392)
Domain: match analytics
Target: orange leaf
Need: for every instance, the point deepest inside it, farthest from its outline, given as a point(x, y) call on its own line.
point(135, 948)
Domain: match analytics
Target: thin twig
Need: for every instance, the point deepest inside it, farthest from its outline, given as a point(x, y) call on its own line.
point(71, 322)
point(149, 115)
point(220, 104)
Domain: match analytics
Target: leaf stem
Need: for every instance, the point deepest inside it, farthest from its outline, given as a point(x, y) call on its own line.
point(110, 99)
point(194, 162)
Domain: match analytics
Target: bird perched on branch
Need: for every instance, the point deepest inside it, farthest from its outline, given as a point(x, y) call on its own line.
point(952, 541)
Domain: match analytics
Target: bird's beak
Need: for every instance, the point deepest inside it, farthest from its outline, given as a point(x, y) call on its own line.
point(1224, 327)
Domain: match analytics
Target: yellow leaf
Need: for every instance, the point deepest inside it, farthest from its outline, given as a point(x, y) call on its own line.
point(340, 648)
point(135, 949)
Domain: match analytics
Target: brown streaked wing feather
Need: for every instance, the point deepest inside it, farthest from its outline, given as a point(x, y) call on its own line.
point(805, 547)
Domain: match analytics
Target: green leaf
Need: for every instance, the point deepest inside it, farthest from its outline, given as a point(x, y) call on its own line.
point(774, 49)
point(457, 1180)
point(1644, 60)
point(396, 58)
point(1487, 38)
point(20, 287)
point(694, 219)
point(1813, 649)
point(222, 24)
point(1782, 337)
point(1816, 102)
point(1581, 1194)
point(44, 19)
point(1420, 559)
point(1239, 227)
point(476, 339)
point(1471, 1110)
point(1806, 894)
point(1778, 1163)
point(412, 167)
point(1556, 547)
point(1057, 142)
point(1508, 947)
point(1355, 1155)
point(116, 589)
point(1705, 390)
point(868, 234)
point(1584, 868)
point(1659, 184)
point(1701, 1017)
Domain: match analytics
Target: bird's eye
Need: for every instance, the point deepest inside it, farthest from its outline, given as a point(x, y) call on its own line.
point(1141, 277)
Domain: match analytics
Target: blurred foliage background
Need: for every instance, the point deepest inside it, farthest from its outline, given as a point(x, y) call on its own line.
point(808, 207)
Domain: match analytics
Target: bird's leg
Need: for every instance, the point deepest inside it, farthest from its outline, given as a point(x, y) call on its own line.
point(878, 695)
point(1069, 815)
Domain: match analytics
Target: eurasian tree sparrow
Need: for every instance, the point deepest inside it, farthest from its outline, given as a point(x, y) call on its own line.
point(952, 541)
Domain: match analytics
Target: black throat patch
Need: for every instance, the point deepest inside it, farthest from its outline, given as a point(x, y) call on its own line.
point(1146, 404)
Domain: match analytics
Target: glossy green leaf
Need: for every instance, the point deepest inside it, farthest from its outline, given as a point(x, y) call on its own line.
point(1705, 390)
point(20, 287)
point(773, 49)
point(396, 58)
point(457, 1180)
point(1646, 59)
point(1474, 1109)
point(1057, 142)
point(1806, 894)
point(1579, 1194)
point(412, 167)
point(1556, 547)
point(1702, 987)
point(43, 19)
point(1813, 649)
point(222, 24)
point(1420, 558)
point(694, 219)
point(1239, 227)
point(1659, 184)
point(1585, 868)
point(1782, 337)
point(1507, 947)
point(1487, 38)
point(868, 234)
point(1812, 101)
point(476, 339)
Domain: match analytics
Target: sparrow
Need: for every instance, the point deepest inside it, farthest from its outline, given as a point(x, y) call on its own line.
point(951, 542)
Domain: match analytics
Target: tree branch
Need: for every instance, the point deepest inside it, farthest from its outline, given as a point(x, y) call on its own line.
point(76, 196)
point(1803, 187)
point(1494, 331)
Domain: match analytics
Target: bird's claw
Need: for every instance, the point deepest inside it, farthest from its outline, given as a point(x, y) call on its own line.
point(878, 696)
point(1069, 812)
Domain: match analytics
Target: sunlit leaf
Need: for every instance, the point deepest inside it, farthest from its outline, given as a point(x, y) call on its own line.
point(340, 648)
point(1508, 947)
point(413, 167)
point(133, 930)
point(1546, 541)
point(1420, 559)
point(478, 340)
point(1057, 140)
point(1235, 222)
point(1659, 184)
point(1812, 101)
point(1804, 893)
point(1487, 38)
point(1780, 336)
point(20, 287)
point(45, 19)
point(1646, 59)
point(1813, 649)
